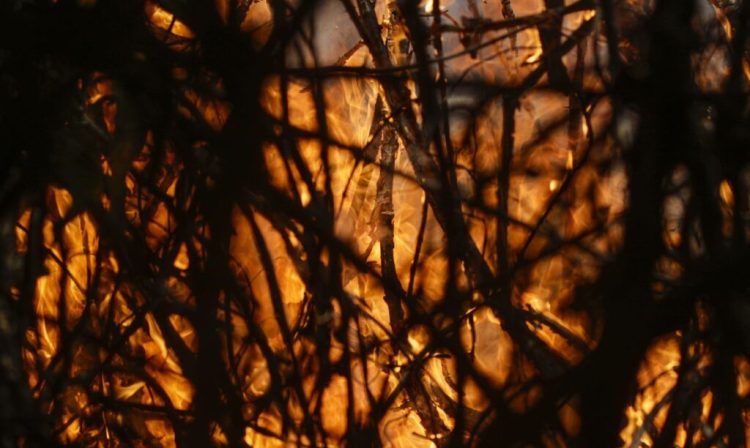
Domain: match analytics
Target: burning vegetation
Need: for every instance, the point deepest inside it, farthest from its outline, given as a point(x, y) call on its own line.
point(388, 223)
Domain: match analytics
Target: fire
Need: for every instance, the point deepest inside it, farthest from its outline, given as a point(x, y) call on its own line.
point(656, 379)
point(344, 305)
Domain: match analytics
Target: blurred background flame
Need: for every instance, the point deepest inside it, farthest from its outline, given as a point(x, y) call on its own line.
point(352, 305)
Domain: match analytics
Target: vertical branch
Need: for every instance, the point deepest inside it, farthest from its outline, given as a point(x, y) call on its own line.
point(508, 13)
point(388, 143)
point(550, 33)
